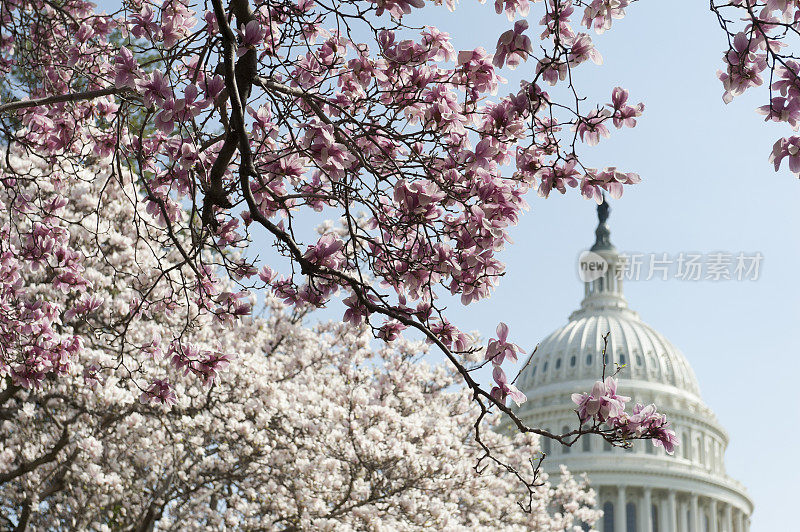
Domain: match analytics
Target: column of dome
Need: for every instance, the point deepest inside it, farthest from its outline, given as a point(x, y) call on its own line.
point(670, 510)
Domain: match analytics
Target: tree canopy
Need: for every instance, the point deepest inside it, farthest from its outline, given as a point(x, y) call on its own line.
point(145, 149)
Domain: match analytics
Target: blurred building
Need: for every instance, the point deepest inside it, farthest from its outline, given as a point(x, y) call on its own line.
point(640, 489)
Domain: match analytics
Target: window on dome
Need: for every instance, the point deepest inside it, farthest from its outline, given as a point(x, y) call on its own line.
point(586, 446)
point(589, 359)
point(639, 360)
point(544, 368)
point(701, 455)
point(686, 445)
point(533, 372)
point(622, 359)
point(608, 516)
point(546, 444)
point(630, 517)
point(558, 363)
point(654, 517)
point(564, 430)
point(573, 361)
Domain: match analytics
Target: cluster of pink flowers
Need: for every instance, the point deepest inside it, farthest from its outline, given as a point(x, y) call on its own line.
point(190, 358)
point(787, 147)
point(610, 180)
point(33, 343)
point(335, 109)
point(497, 352)
point(745, 65)
point(391, 123)
point(645, 422)
point(591, 128)
point(599, 14)
point(160, 391)
point(513, 47)
point(757, 50)
point(603, 406)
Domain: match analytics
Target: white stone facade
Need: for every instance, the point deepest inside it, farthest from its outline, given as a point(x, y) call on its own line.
point(687, 492)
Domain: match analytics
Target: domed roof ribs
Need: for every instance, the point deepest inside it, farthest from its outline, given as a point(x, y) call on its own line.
point(603, 310)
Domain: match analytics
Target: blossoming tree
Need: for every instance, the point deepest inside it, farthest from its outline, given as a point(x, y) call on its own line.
point(145, 149)
point(306, 429)
point(245, 118)
point(194, 127)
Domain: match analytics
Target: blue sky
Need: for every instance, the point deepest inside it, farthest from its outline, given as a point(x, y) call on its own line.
point(707, 187)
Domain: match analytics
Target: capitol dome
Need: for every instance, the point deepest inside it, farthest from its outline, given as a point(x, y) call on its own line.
point(574, 352)
point(641, 489)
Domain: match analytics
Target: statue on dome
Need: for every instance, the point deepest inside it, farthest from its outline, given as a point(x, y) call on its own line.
point(602, 233)
point(603, 210)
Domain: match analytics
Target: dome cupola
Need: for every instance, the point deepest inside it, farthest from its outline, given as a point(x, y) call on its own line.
point(574, 351)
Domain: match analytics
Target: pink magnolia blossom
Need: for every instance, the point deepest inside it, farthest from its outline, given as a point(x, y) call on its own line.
point(603, 405)
point(87, 304)
point(665, 437)
point(624, 114)
point(479, 70)
point(154, 88)
point(745, 64)
point(557, 20)
point(159, 392)
point(558, 177)
point(142, 23)
point(592, 128)
point(251, 37)
point(126, 69)
point(646, 422)
point(500, 348)
point(356, 311)
point(397, 8)
point(503, 388)
point(782, 109)
point(786, 147)
point(391, 330)
point(326, 252)
point(419, 198)
point(582, 49)
point(513, 47)
point(176, 21)
point(512, 8)
point(602, 402)
point(600, 13)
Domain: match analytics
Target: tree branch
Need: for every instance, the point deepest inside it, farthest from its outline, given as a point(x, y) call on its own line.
point(27, 467)
point(71, 97)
